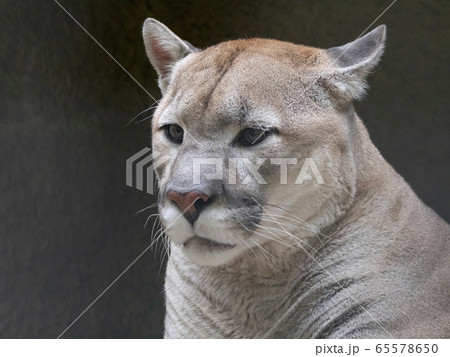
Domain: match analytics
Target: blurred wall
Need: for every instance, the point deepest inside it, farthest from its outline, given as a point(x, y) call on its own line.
point(67, 223)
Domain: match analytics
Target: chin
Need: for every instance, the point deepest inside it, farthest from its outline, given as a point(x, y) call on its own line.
point(206, 252)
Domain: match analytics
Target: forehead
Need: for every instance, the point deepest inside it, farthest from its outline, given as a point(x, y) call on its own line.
point(240, 81)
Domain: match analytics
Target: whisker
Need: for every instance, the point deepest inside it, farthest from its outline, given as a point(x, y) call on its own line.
point(273, 239)
point(159, 239)
point(146, 118)
point(240, 241)
point(148, 218)
point(258, 245)
point(305, 223)
point(298, 221)
point(145, 208)
point(144, 111)
point(155, 222)
point(295, 239)
point(264, 251)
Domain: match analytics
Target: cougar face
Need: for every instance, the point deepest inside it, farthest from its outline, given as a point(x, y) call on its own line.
point(248, 128)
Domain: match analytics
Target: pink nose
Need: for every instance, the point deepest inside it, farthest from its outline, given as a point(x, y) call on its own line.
point(186, 202)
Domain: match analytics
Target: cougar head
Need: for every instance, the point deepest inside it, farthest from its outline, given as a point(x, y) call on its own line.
point(256, 136)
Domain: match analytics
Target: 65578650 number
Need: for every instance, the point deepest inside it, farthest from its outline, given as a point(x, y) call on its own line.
point(406, 348)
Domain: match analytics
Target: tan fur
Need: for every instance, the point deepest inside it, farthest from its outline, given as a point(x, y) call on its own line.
point(359, 256)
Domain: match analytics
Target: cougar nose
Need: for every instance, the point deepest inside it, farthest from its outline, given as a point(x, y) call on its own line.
point(189, 203)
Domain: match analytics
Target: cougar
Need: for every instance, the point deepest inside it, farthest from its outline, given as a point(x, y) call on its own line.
point(284, 220)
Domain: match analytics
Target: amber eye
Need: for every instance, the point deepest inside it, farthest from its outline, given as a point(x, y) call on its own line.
point(252, 136)
point(174, 133)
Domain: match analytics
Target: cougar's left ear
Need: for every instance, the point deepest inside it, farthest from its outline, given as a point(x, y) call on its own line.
point(164, 49)
point(351, 63)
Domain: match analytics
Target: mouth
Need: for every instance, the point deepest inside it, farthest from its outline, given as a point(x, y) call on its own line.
point(206, 244)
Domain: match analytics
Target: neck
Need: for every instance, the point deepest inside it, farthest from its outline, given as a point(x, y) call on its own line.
point(371, 167)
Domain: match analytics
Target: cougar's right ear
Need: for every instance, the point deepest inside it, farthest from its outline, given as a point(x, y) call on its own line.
point(164, 49)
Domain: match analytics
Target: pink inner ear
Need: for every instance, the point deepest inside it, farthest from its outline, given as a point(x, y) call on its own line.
point(161, 55)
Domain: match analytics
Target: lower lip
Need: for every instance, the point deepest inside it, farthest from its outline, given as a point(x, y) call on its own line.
point(206, 244)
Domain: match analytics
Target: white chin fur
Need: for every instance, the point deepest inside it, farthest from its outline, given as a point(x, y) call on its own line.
point(210, 258)
point(211, 224)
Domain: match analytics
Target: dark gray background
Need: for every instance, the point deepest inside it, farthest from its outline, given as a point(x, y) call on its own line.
point(67, 228)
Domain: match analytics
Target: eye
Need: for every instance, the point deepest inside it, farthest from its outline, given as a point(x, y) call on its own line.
point(252, 136)
point(174, 133)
